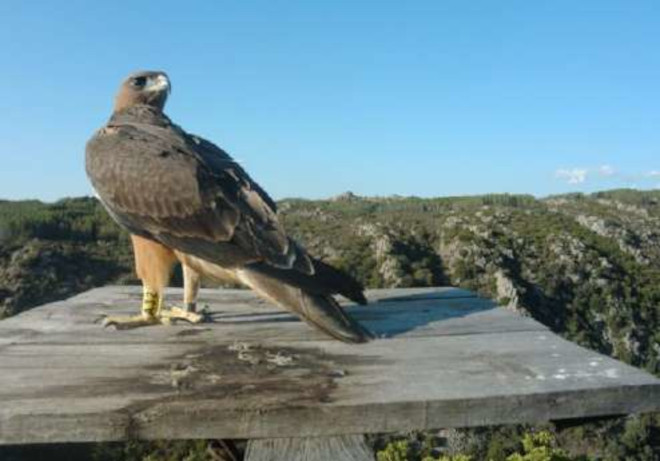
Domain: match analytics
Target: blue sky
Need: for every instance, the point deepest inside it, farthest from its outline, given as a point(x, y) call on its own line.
point(426, 98)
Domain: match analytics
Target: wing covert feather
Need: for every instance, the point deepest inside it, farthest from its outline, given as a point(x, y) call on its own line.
point(154, 184)
point(182, 188)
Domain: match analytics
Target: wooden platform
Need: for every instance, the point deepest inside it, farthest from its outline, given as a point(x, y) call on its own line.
point(446, 358)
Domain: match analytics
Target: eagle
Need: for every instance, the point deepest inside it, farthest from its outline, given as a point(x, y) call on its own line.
point(182, 198)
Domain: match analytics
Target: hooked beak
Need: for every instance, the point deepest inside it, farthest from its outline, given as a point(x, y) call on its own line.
point(160, 83)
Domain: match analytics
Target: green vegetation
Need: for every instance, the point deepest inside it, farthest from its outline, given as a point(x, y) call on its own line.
point(634, 438)
point(588, 266)
point(75, 220)
point(532, 446)
point(52, 251)
point(539, 447)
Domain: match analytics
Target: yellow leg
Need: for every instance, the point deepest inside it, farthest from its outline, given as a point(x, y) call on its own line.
point(191, 283)
point(150, 313)
point(153, 265)
point(152, 303)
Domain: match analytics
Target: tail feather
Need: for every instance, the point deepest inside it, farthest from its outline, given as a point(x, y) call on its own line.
point(340, 282)
point(326, 279)
point(318, 310)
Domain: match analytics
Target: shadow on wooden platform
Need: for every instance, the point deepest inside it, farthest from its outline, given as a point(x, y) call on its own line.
point(385, 319)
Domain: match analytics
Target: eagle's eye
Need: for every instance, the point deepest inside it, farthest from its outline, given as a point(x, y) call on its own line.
point(139, 81)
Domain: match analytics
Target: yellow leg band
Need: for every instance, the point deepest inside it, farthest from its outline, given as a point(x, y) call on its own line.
point(151, 303)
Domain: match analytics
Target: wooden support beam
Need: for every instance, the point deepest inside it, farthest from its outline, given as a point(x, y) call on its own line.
point(343, 447)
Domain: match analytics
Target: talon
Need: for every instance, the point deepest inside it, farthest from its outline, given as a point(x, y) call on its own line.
point(101, 319)
point(125, 323)
point(165, 317)
point(153, 314)
point(177, 313)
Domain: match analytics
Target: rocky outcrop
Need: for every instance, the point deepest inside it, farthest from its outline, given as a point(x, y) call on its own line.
point(586, 266)
point(40, 271)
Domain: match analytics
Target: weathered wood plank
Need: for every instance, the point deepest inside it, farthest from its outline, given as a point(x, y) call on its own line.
point(344, 448)
point(449, 359)
point(405, 312)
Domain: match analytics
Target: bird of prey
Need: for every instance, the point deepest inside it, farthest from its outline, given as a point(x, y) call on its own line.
point(182, 197)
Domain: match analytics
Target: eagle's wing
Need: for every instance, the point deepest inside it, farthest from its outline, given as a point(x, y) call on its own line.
point(186, 193)
point(307, 272)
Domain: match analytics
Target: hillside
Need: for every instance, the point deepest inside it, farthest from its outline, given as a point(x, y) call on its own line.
point(51, 251)
point(588, 266)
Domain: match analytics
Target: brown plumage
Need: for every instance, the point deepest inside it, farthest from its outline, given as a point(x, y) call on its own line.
point(188, 195)
point(153, 266)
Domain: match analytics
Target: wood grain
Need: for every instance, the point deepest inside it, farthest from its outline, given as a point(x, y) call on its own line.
point(343, 447)
point(445, 358)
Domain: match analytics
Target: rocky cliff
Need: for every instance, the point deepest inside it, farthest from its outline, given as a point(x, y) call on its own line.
point(588, 266)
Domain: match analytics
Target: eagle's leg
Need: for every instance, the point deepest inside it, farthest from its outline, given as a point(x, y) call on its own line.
point(191, 283)
point(153, 266)
point(150, 314)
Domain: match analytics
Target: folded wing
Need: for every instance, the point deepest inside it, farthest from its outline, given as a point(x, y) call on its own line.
point(190, 195)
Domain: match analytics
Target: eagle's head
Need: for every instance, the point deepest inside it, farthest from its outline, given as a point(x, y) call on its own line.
point(145, 87)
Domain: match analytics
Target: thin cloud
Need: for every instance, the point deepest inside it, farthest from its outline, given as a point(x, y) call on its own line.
point(607, 170)
point(572, 176)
